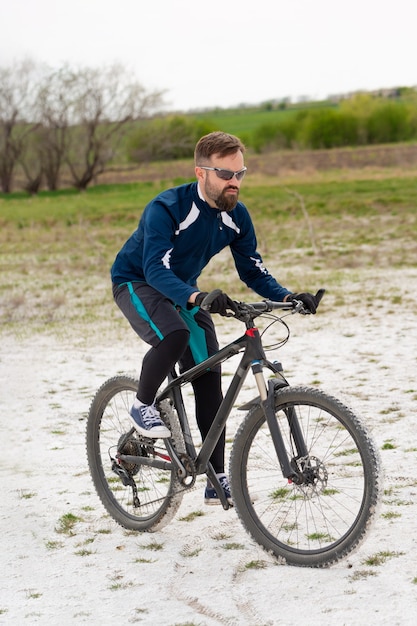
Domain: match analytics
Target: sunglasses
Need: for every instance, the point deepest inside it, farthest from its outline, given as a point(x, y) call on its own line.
point(225, 174)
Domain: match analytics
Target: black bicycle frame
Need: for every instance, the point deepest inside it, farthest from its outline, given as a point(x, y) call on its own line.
point(253, 358)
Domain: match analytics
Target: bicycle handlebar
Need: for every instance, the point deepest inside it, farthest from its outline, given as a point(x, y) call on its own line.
point(243, 310)
point(251, 310)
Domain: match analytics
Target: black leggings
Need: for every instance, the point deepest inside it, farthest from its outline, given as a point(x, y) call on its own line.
point(208, 396)
point(156, 366)
point(158, 362)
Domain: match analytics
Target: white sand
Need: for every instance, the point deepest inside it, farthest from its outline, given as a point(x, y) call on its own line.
point(363, 354)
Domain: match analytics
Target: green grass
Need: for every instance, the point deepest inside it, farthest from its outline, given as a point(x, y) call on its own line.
point(56, 248)
point(380, 558)
point(255, 565)
point(116, 204)
point(243, 121)
point(66, 524)
point(344, 215)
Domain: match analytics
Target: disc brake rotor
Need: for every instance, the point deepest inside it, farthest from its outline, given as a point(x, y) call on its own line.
point(315, 476)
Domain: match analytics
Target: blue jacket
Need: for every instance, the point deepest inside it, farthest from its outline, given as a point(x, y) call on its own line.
point(177, 236)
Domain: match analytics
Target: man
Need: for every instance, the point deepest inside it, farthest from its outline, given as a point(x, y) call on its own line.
point(155, 283)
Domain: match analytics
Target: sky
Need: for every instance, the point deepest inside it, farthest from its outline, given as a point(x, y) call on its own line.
point(219, 53)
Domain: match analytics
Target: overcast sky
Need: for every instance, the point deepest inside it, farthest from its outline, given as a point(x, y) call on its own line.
point(222, 52)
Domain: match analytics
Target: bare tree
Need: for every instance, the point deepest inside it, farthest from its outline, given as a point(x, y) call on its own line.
point(17, 94)
point(101, 103)
point(31, 162)
point(77, 118)
point(54, 102)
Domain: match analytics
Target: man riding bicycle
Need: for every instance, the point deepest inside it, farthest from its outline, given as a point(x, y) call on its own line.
point(155, 283)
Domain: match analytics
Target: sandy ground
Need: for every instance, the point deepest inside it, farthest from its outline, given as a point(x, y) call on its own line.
point(364, 353)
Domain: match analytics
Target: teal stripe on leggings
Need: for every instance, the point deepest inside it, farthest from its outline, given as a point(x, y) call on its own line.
point(137, 303)
point(197, 340)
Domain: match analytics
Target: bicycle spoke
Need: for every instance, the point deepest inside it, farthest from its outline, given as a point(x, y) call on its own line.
point(139, 497)
point(324, 515)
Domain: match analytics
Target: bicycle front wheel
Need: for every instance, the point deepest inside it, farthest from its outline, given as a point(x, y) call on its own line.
point(321, 520)
point(137, 496)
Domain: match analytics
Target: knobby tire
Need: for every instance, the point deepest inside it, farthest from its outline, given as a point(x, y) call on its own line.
point(315, 524)
point(159, 492)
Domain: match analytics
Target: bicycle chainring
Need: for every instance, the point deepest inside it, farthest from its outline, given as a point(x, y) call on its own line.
point(189, 465)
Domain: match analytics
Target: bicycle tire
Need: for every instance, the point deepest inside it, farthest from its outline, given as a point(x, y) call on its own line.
point(312, 525)
point(159, 491)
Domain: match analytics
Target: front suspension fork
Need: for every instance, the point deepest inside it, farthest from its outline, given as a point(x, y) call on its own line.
point(268, 404)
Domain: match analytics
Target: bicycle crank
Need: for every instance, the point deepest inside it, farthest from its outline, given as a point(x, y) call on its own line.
point(189, 479)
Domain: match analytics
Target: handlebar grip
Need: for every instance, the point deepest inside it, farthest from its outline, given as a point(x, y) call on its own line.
point(210, 297)
point(299, 306)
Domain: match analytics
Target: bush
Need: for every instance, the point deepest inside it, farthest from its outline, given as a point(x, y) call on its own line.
point(360, 120)
point(390, 122)
point(280, 135)
point(329, 128)
point(166, 139)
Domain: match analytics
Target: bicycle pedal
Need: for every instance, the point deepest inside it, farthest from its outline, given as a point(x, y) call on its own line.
point(122, 474)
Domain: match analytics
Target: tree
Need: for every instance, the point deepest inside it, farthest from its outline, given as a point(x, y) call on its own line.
point(100, 105)
point(74, 118)
point(30, 161)
point(17, 97)
point(54, 102)
point(172, 137)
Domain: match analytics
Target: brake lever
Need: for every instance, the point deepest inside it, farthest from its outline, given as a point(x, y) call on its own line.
point(298, 307)
point(205, 305)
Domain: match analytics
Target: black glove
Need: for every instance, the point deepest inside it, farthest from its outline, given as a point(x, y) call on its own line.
point(309, 301)
point(221, 303)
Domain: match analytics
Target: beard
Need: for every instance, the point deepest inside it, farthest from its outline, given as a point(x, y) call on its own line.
point(223, 201)
point(226, 202)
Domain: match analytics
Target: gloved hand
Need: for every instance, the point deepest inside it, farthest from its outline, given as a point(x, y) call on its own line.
point(309, 301)
point(221, 303)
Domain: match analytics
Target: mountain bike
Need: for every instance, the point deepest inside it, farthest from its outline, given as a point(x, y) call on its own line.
point(304, 471)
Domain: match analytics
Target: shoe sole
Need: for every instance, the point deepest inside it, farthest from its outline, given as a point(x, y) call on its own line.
point(152, 434)
point(216, 502)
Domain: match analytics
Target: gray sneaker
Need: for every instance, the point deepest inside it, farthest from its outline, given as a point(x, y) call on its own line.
point(147, 421)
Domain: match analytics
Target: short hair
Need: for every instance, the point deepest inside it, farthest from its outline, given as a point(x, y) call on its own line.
point(219, 143)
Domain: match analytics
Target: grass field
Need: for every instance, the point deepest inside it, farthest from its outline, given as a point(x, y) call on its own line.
point(313, 229)
point(244, 121)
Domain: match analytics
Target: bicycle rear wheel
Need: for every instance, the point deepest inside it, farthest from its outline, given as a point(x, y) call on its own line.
point(319, 522)
point(138, 497)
